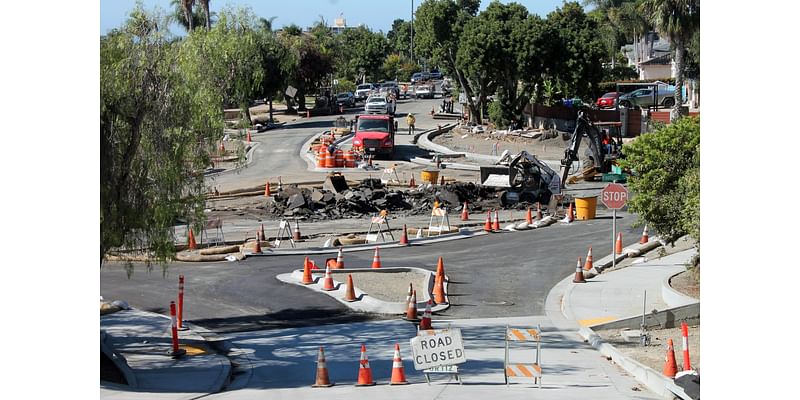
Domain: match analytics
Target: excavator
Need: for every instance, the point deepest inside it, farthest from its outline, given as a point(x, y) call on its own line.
point(601, 152)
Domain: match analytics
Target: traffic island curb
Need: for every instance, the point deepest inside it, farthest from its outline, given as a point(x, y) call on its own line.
point(365, 302)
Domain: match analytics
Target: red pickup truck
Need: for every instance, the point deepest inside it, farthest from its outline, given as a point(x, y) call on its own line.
point(374, 134)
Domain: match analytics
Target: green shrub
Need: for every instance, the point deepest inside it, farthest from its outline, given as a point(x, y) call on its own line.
point(496, 115)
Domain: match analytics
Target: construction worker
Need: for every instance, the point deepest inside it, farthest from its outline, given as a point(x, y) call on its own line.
point(410, 120)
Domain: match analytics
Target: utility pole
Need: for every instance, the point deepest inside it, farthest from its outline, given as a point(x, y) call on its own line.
point(412, 31)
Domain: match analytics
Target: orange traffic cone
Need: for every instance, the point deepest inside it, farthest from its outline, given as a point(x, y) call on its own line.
point(496, 224)
point(438, 290)
point(350, 293)
point(257, 250)
point(487, 225)
point(539, 211)
point(296, 234)
point(267, 193)
point(589, 262)
point(618, 246)
point(410, 291)
point(404, 236)
point(411, 312)
point(425, 323)
point(192, 243)
point(327, 283)
point(412, 183)
point(570, 216)
point(307, 278)
point(248, 136)
point(261, 231)
point(644, 238)
point(322, 371)
point(398, 374)
point(376, 259)
point(465, 213)
point(340, 259)
point(222, 147)
point(578, 273)
point(670, 366)
point(364, 372)
point(528, 216)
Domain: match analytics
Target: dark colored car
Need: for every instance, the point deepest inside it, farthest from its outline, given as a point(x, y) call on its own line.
point(435, 74)
point(608, 100)
point(346, 99)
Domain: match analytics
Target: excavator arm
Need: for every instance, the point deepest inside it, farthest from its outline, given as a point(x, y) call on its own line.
point(583, 126)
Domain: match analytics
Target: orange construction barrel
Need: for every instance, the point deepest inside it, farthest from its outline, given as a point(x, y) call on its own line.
point(339, 158)
point(585, 207)
point(330, 160)
point(321, 151)
point(349, 159)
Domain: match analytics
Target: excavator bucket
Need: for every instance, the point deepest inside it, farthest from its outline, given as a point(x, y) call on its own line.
point(335, 183)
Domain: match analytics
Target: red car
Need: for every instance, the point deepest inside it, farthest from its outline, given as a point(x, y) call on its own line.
point(609, 100)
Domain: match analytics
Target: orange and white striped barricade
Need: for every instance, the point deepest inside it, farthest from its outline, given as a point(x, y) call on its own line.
point(284, 230)
point(439, 214)
point(381, 226)
point(524, 370)
point(218, 237)
point(455, 344)
point(390, 174)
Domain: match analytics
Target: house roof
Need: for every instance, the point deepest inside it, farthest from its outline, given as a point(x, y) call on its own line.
point(664, 59)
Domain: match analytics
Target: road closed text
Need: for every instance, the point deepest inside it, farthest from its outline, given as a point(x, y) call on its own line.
point(445, 348)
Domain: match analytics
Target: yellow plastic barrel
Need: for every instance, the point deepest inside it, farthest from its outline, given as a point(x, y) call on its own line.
point(429, 176)
point(585, 207)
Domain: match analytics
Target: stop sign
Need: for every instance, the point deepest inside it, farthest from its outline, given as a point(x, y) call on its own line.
point(614, 196)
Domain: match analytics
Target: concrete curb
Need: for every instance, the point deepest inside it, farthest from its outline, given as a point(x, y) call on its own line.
point(654, 381)
point(365, 302)
point(674, 298)
point(462, 234)
point(248, 160)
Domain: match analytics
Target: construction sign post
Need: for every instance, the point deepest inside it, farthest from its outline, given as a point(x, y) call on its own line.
point(614, 196)
point(443, 348)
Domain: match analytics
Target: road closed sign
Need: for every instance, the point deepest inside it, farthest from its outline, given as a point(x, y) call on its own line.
point(614, 196)
point(442, 348)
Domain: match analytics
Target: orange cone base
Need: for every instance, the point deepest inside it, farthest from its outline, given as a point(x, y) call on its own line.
point(321, 385)
point(399, 383)
point(365, 384)
point(578, 278)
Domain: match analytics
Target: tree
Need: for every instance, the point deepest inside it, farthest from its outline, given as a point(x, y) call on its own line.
point(575, 52)
point(678, 20)
point(154, 130)
point(360, 50)
point(207, 13)
point(187, 13)
point(399, 37)
point(228, 58)
point(276, 61)
point(438, 28)
point(666, 180)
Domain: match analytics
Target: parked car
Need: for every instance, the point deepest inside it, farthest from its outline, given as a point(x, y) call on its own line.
point(435, 74)
point(346, 99)
point(423, 91)
point(608, 100)
point(390, 87)
point(363, 91)
point(379, 105)
point(644, 98)
point(419, 77)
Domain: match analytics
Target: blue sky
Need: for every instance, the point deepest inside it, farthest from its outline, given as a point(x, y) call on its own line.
point(378, 15)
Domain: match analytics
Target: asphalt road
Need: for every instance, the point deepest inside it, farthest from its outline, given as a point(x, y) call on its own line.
point(491, 276)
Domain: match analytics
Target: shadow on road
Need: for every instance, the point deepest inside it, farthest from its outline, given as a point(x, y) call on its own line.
point(288, 318)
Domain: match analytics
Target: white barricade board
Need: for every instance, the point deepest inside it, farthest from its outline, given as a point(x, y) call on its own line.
point(440, 349)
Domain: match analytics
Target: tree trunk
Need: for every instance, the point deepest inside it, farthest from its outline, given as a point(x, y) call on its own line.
point(271, 121)
point(473, 111)
point(679, 57)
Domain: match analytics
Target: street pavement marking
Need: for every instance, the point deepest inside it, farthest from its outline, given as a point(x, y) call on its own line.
point(595, 321)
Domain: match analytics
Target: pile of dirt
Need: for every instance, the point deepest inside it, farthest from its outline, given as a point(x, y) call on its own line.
point(546, 145)
point(653, 355)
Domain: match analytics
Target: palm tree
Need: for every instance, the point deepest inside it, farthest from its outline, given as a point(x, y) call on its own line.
point(678, 20)
point(187, 12)
point(205, 5)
